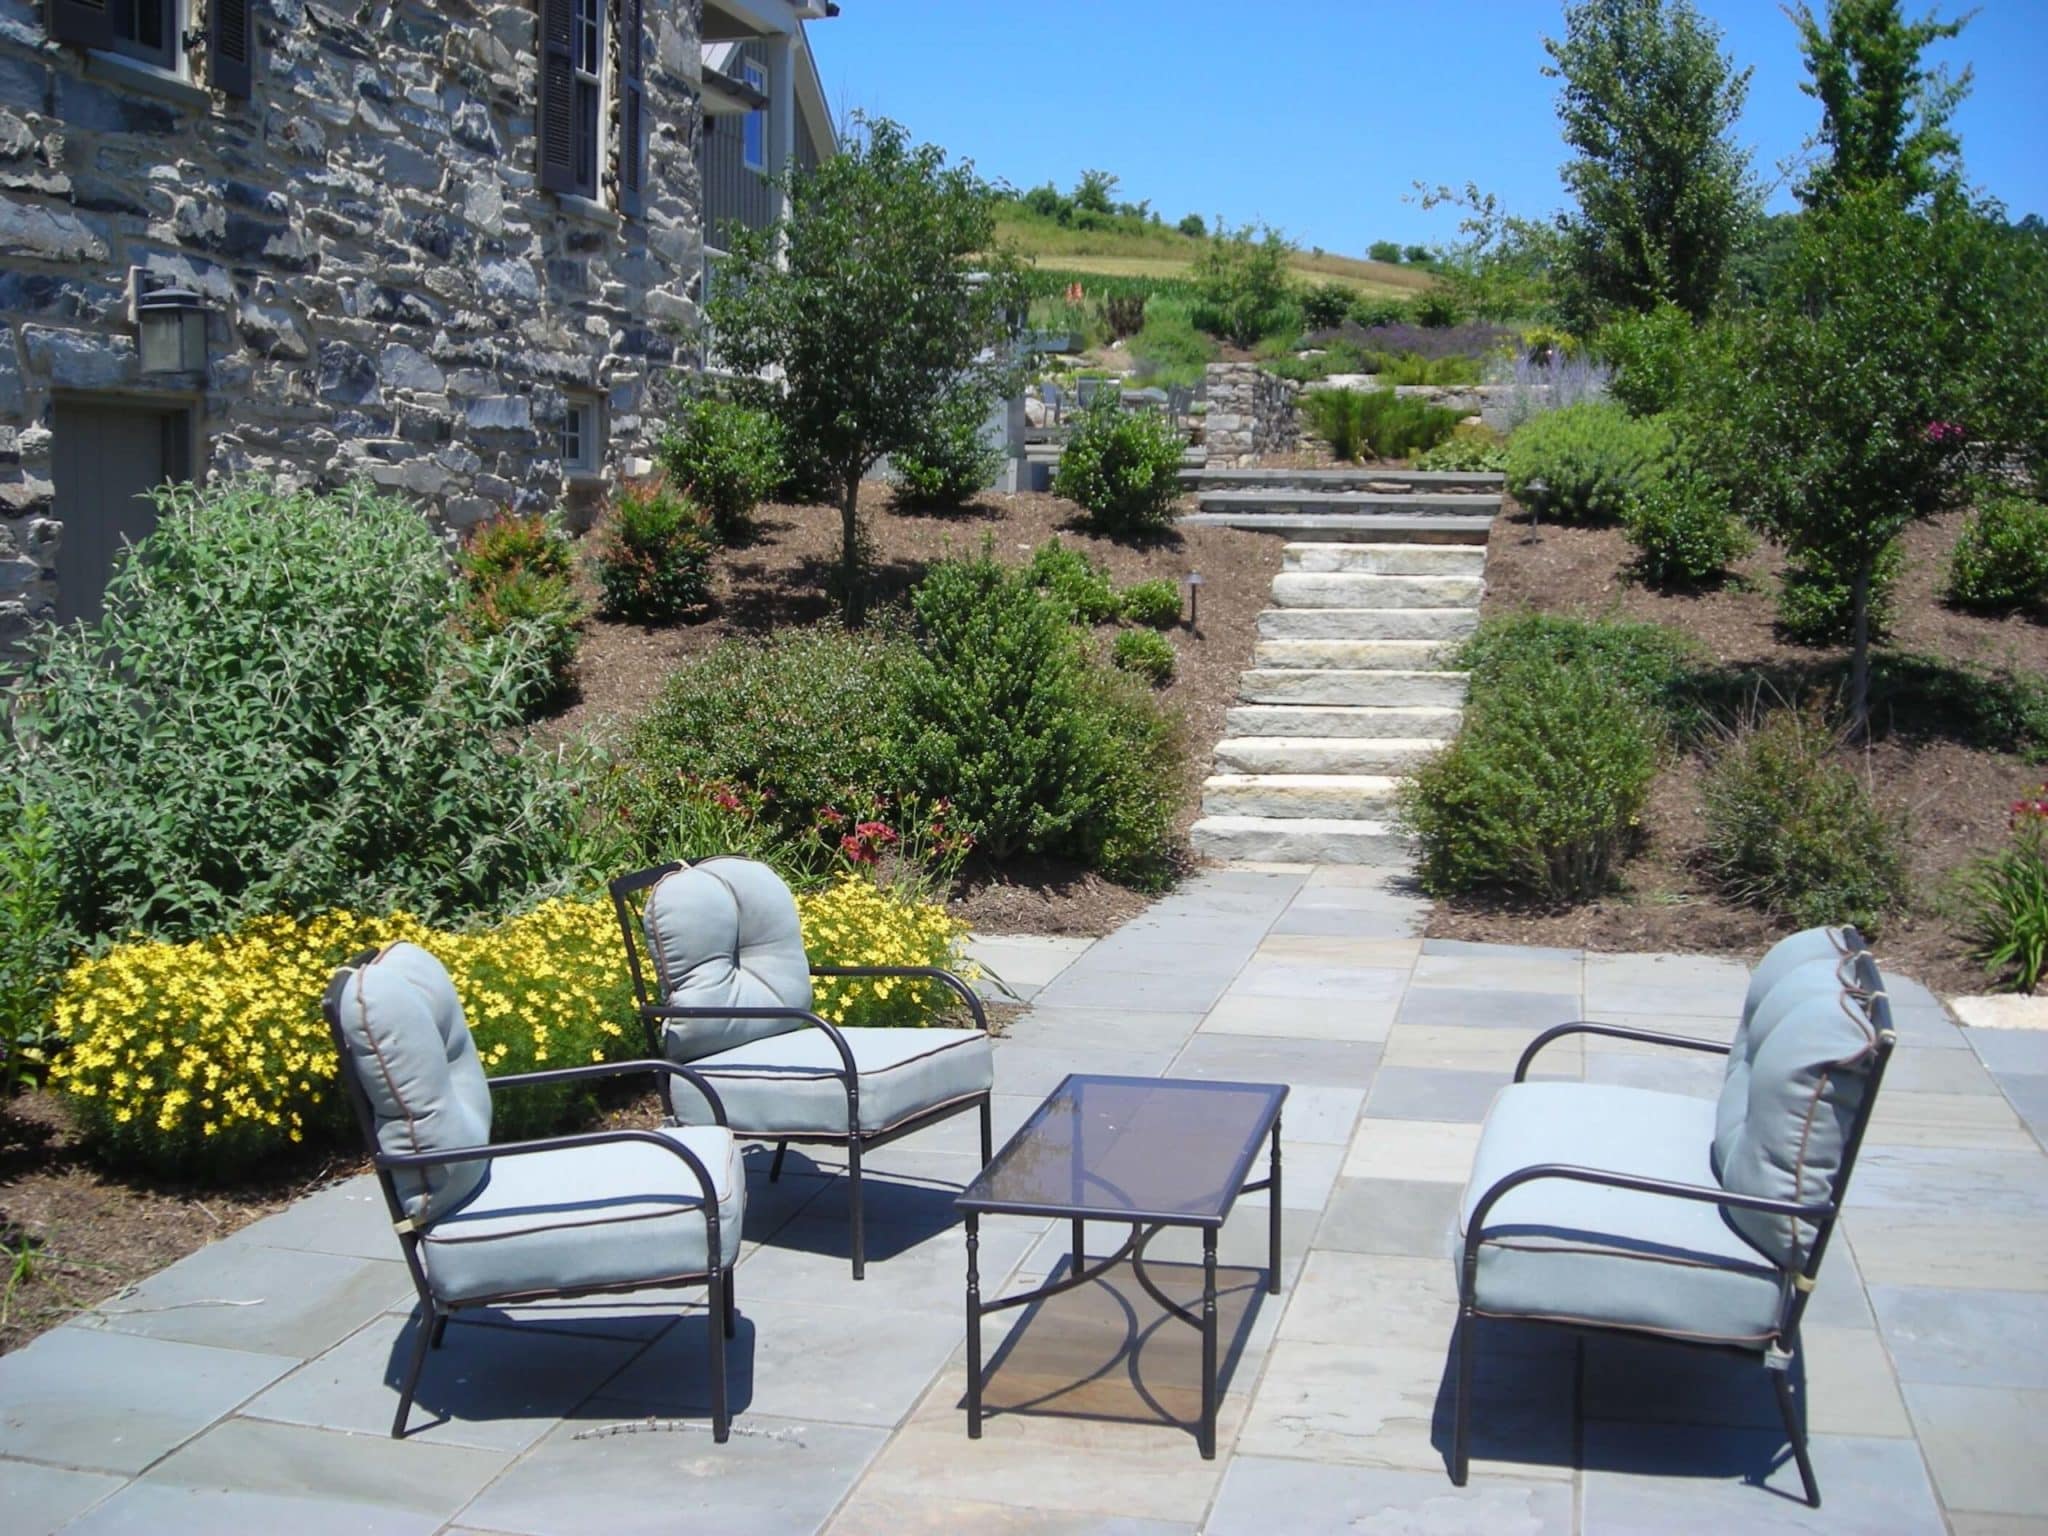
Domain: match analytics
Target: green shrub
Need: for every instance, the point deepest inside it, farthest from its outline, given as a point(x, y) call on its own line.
point(296, 723)
point(1371, 312)
point(1585, 463)
point(1792, 830)
point(35, 941)
point(1038, 748)
point(1540, 793)
point(1125, 313)
point(1817, 604)
point(726, 457)
point(952, 461)
point(1241, 289)
point(1123, 467)
point(2001, 560)
point(1170, 350)
point(1358, 422)
point(1146, 653)
point(1469, 450)
point(508, 543)
point(1650, 354)
point(653, 555)
point(1156, 603)
point(1656, 666)
point(1685, 535)
point(1413, 368)
point(1437, 309)
point(520, 595)
point(1325, 306)
point(2006, 901)
point(1075, 581)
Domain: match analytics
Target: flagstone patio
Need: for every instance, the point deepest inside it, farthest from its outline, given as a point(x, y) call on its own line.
point(249, 1387)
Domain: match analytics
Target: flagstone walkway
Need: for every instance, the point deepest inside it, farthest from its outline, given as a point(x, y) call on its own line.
point(248, 1388)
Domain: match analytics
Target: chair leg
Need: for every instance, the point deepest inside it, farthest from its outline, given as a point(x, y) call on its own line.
point(731, 1305)
point(988, 1132)
point(1461, 1408)
point(714, 1331)
point(430, 1328)
point(853, 1202)
point(440, 1328)
point(775, 1168)
point(1795, 1431)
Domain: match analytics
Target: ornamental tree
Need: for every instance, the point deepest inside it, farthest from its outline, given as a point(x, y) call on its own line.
point(1884, 113)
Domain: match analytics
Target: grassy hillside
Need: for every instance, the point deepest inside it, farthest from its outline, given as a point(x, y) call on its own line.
point(1158, 251)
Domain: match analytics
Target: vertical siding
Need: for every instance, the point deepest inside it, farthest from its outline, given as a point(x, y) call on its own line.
point(731, 191)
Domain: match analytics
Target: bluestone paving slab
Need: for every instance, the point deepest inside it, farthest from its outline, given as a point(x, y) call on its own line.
point(772, 1478)
point(1914, 1069)
point(1437, 1150)
point(165, 1509)
point(1324, 1499)
point(1296, 977)
point(1157, 990)
point(1411, 1301)
point(1697, 1026)
point(1928, 1029)
point(1318, 1112)
point(909, 1514)
point(1984, 1446)
point(909, 1266)
point(116, 1402)
point(35, 1501)
point(1389, 920)
point(1650, 983)
point(1905, 1248)
point(349, 1218)
point(1514, 953)
point(494, 1388)
point(1845, 1374)
point(1527, 1013)
point(1336, 949)
point(1113, 1029)
point(1308, 1171)
point(2028, 1094)
point(1038, 1069)
point(1508, 973)
point(1970, 1523)
point(1460, 1048)
point(1299, 1018)
point(1839, 1299)
point(1689, 1480)
point(1946, 1120)
point(1697, 1076)
point(1939, 1180)
point(1024, 960)
point(2023, 1051)
point(1392, 1216)
point(1966, 1338)
point(1430, 1093)
point(1278, 1059)
point(276, 1301)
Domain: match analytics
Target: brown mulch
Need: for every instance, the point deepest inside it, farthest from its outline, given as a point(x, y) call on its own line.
point(778, 578)
point(1954, 796)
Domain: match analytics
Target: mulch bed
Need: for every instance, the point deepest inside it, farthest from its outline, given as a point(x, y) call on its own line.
point(1955, 796)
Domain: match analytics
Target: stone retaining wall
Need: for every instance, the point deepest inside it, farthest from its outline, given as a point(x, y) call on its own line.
point(1251, 413)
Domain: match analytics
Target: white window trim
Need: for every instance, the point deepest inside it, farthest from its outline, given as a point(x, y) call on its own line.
point(755, 74)
point(173, 81)
point(601, 133)
point(590, 464)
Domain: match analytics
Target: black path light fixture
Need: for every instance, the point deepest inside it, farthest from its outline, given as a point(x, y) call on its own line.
point(170, 327)
point(1193, 583)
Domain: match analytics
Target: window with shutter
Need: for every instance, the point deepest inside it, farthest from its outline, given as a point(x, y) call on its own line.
point(231, 42)
point(632, 126)
point(558, 95)
point(82, 23)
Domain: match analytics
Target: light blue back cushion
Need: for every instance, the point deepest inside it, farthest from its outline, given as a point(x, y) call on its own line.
point(1787, 955)
point(724, 933)
point(409, 1046)
point(1787, 1107)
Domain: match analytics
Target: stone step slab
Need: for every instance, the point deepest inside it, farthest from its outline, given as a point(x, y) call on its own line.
point(1345, 477)
point(1288, 499)
point(1310, 840)
point(1264, 685)
point(1336, 527)
point(1386, 559)
point(1324, 754)
point(1351, 655)
point(1380, 722)
point(1356, 589)
point(1367, 623)
point(1295, 796)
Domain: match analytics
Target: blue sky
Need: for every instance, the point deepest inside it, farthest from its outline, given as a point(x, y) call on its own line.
point(1320, 121)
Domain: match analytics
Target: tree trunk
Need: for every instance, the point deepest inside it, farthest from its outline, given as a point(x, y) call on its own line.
point(853, 587)
point(1859, 653)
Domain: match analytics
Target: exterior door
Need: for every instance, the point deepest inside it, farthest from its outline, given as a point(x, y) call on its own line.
point(108, 458)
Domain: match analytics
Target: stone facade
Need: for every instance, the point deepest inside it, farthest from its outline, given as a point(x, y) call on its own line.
point(1251, 413)
point(388, 292)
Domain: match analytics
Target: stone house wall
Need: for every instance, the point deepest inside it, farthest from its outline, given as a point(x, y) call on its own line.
point(389, 293)
point(1251, 413)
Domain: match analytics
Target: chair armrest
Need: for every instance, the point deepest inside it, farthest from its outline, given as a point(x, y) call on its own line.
point(803, 1015)
point(1616, 1032)
point(1710, 1195)
point(422, 1160)
point(613, 1069)
point(945, 978)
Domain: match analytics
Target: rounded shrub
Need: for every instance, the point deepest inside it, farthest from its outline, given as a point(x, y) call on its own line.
point(1656, 665)
point(517, 570)
point(952, 460)
point(1468, 450)
point(653, 557)
point(1145, 653)
point(1324, 306)
point(2000, 562)
point(1650, 354)
point(1791, 828)
point(1685, 534)
point(1585, 463)
point(1156, 603)
point(725, 456)
point(1123, 467)
point(1070, 577)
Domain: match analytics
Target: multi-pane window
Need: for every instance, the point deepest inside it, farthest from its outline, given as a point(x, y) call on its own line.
point(588, 57)
point(754, 131)
point(582, 447)
point(146, 30)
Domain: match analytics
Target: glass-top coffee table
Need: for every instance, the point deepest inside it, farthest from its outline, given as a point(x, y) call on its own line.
point(1149, 1152)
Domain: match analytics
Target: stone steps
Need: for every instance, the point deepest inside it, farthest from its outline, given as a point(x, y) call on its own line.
point(1323, 754)
point(1350, 655)
point(1357, 589)
point(1384, 688)
point(1418, 528)
point(1345, 477)
point(1298, 796)
point(1308, 840)
point(1385, 559)
point(1367, 623)
point(1381, 722)
point(1287, 498)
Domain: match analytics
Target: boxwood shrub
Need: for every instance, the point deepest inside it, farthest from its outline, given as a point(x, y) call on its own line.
point(1585, 463)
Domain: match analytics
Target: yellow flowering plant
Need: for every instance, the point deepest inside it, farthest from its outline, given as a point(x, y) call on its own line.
point(855, 922)
point(210, 1056)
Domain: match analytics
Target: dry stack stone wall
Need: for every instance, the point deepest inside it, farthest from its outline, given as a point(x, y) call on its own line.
point(1251, 413)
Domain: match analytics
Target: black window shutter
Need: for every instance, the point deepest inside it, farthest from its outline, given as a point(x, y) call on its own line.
point(557, 96)
point(231, 40)
point(632, 113)
point(83, 22)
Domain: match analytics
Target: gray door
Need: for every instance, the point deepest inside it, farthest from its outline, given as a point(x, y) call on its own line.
point(108, 458)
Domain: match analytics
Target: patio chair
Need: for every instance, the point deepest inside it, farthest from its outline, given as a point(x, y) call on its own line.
point(1085, 390)
point(1055, 399)
point(1695, 1220)
point(557, 1216)
point(735, 1005)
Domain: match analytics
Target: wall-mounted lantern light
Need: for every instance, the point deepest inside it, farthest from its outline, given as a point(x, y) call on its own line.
point(170, 326)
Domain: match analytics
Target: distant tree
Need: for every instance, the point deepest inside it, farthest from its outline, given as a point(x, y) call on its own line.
point(1384, 250)
point(1241, 288)
point(1193, 226)
point(1096, 192)
point(1417, 255)
point(886, 298)
point(1505, 268)
point(1048, 202)
point(1649, 103)
point(1884, 113)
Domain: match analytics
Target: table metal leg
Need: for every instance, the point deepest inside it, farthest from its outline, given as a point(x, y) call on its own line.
point(1207, 1440)
point(1273, 1217)
point(973, 1326)
point(1080, 1242)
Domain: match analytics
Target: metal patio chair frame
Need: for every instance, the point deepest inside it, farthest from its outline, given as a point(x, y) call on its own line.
point(435, 1312)
point(856, 1142)
point(1781, 1352)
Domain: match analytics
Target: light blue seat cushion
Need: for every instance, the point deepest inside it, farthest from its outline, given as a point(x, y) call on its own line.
point(787, 1086)
point(406, 1042)
point(725, 933)
point(1573, 1252)
point(617, 1214)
